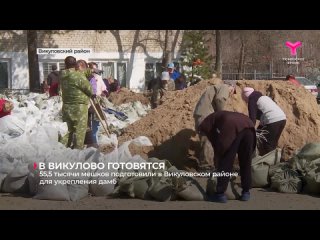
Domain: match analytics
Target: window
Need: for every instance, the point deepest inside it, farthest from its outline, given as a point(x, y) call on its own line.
point(159, 69)
point(153, 70)
point(117, 70)
point(61, 66)
point(47, 68)
point(122, 73)
point(108, 69)
point(4, 74)
point(149, 72)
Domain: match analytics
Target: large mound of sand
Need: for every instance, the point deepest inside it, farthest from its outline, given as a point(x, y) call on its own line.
point(170, 127)
point(125, 96)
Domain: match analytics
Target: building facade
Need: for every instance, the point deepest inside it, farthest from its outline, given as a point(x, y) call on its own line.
point(131, 56)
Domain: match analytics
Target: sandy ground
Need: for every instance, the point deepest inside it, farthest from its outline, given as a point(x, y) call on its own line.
point(262, 199)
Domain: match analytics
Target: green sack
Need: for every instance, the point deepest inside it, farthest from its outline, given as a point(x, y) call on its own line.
point(312, 180)
point(134, 187)
point(140, 188)
point(286, 181)
point(303, 165)
point(280, 167)
point(192, 192)
point(310, 151)
point(161, 189)
point(270, 158)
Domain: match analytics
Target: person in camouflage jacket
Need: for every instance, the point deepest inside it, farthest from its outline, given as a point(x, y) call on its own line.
point(76, 92)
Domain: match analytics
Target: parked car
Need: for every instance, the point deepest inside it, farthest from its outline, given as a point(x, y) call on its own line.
point(309, 85)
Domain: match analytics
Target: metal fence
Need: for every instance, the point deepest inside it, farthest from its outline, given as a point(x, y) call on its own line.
point(250, 76)
point(9, 91)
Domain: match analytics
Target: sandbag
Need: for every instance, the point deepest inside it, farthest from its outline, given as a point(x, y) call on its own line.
point(78, 191)
point(33, 180)
point(139, 108)
point(270, 158)
point(125, 186)
point(140, 188)
point(134, 187)
point(51, 192)
point(7, 163)
point(233, 191)
point(192, 192)
point(286, 181)
point(11, 125)
point(310, 151)
point(312, 179)
point(260, 167)
point(4, 138)
point(160, 189)
point(304, 165)
point(103, 189)
point(259, 175)
point(279, 167)
point(2, 177)
point(16, 181)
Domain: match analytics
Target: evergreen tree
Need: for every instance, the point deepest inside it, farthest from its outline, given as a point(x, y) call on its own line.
point(196, 61)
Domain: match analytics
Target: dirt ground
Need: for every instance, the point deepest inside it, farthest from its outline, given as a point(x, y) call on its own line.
point(262, 199)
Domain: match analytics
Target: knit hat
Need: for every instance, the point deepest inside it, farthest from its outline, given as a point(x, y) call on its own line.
point(246, 92)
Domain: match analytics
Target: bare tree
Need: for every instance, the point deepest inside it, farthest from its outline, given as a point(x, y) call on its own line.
point(241, 59)
point(34, 76)
point(218, 65)
point(167, 51)
point(116, 34)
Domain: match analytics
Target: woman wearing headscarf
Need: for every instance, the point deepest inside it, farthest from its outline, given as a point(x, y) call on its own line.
point(272, 118)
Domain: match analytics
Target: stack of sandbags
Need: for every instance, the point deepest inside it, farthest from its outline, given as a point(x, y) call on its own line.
point(260, 167)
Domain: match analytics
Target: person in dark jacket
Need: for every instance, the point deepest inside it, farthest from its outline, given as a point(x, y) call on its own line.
point(231, 133)
point(212, 100)
point(272, 119)
point(112, 84)
point(177, 77)
point(53, 81)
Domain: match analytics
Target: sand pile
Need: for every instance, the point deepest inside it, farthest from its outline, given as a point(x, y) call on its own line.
point(170, 127)
point(125, 96)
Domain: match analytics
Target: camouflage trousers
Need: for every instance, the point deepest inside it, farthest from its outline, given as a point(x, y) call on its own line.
point(76, 117)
